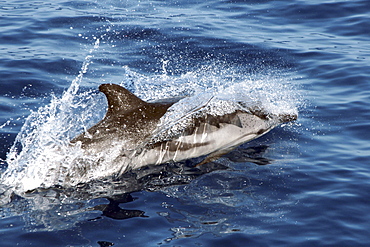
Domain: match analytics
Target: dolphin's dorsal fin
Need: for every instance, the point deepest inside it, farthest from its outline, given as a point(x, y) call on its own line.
point(120, 100)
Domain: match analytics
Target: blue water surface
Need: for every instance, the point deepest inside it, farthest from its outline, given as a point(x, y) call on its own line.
point(313, 192)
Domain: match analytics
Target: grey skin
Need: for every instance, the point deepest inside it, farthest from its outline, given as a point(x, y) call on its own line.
point(130, 124)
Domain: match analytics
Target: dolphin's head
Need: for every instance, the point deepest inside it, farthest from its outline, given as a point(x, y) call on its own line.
point(266, 115)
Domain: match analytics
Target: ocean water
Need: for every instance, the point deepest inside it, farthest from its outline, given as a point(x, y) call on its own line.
point(302, 184)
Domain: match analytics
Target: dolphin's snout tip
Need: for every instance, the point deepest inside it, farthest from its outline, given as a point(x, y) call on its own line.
point(285, 118)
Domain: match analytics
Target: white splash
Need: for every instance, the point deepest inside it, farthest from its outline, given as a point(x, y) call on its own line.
point(41, 150)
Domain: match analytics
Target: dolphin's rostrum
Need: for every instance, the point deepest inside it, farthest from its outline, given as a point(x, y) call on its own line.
point(129, 131)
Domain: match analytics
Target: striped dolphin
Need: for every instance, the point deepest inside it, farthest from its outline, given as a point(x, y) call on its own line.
point(129, 131)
